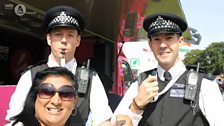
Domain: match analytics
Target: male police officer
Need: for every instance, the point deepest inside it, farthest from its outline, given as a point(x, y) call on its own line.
point(63, 26)
point(175, 96)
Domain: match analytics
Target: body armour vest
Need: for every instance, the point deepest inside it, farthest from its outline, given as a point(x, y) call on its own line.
point(171, 109)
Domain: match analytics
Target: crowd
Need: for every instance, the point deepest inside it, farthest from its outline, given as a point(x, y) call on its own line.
point(53, 94)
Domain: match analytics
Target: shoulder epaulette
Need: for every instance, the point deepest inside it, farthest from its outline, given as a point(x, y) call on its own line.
point(194, 67)
point(34, 65)
point(142, 76)
point(209, 77)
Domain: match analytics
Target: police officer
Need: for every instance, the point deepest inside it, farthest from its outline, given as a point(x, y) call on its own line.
point(163, 99)
point(63, 25)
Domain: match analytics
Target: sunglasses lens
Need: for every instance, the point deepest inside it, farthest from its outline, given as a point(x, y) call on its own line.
point(46, 91)
point(66, 93)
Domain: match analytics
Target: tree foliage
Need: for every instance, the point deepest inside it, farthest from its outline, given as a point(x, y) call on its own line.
point(212, 58)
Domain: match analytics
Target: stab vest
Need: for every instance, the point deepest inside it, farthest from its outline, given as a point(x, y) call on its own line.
point(83, 104)
point(172, 109)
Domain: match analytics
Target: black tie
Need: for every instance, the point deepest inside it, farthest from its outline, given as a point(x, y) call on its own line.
point(167, 76)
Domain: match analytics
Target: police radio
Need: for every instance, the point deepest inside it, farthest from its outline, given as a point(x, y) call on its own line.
point(83, 75)
point(191, 85)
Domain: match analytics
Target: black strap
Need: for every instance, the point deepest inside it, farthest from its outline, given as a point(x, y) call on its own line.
point(83, 103)
point(195, 103)
point(36, 69)
point(197, 109)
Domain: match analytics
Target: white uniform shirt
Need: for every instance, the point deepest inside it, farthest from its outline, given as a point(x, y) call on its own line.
point(100, 110)
point(210, 99)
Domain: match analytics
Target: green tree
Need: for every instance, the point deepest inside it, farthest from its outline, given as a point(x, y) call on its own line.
point(212, 58)
point(192, 57)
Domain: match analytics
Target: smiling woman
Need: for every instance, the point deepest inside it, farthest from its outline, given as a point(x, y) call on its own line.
point(51, 100)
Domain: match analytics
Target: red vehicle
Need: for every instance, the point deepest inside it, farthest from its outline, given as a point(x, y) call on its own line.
point(125, 75)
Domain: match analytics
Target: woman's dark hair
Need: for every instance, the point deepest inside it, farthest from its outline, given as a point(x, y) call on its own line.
point(27, 115)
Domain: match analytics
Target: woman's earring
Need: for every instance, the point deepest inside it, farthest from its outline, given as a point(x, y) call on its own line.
point(74, 111)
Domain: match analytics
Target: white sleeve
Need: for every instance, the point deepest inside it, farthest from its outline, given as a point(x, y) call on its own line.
point(98, 102)
point(211, 102)
point(19, 96)
point(17, 124)
point(123, 107)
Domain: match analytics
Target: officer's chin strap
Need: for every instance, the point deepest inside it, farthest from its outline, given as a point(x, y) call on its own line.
point(170, 84)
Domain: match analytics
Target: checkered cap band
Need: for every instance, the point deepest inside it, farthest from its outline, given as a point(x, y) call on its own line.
point(161, 25)
point(63, 18)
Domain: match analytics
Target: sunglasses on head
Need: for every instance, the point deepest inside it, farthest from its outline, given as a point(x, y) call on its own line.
point(47, 91)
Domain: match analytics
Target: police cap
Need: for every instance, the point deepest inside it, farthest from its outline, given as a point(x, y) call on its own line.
point(64, 16)
point(164, 23)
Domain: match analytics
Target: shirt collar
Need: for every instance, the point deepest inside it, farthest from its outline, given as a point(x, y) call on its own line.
point(71, 65)
point(173, 70)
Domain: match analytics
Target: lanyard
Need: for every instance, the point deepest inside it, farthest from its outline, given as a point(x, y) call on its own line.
point(170, 84)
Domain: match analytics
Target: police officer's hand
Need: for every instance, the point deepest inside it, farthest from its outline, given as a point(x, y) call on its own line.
point(148, 89)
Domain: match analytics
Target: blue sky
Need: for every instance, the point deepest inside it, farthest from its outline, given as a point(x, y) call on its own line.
point(206, 16)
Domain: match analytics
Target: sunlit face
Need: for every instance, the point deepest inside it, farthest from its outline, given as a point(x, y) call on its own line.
point(54, 111)
point(165, 48)
point(63, 38)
